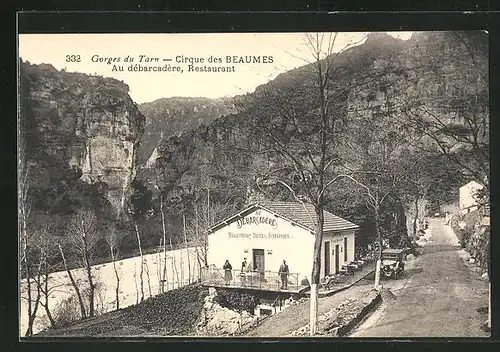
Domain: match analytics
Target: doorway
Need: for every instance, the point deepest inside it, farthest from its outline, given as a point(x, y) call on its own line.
point(337, 251)
point(258, 261)
point(345, 249)
point(327, 258)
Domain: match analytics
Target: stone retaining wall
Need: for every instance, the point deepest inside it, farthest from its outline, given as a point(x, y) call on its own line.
point(343, 318)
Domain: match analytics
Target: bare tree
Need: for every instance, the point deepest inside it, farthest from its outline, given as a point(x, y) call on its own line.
point(24, 240)
point(34, 302)
point(160, 265)
point(47, 247)
point(186, 246)
point(146, 269)
point(84, 239)
point(164, 232)
point(141, 273)
point(206, 213)
point(114, 249)
point(378, 155)
point(135, 284)
point(30, 251)
point(298, 125)
point(83, 311)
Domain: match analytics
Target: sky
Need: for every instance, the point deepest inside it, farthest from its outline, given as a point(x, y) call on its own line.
point(90, 53)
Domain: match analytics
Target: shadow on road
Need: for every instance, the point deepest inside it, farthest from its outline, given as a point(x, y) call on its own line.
point(412, 317)
point(410, 272)
point(409, 287)
point(439, 248)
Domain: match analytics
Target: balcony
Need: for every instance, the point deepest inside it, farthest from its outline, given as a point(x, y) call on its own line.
point(250, 280)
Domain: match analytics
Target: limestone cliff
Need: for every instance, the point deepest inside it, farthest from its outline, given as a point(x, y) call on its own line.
point(79, 122)
point(168, 117)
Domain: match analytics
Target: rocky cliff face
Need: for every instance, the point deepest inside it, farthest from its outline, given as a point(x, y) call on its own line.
point(167, 117)
point(88, 124)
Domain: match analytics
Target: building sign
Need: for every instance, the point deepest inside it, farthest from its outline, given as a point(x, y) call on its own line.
point(257, 220)
point(255, 235)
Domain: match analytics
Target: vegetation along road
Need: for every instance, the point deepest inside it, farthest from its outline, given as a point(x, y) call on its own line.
point(439, 297)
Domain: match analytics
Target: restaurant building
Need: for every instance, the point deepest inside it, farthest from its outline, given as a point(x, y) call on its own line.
point(268, 233)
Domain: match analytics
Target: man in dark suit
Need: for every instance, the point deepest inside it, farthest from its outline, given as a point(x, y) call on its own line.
point(283, 273)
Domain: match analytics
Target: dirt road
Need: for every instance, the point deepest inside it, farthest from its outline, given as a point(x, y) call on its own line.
point(439, 297)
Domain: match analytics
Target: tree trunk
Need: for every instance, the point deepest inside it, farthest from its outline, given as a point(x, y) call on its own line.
point(88, 269)
point(25, 261)
point(146, 267)
point(159, 268)
point(415, 219)
point(135, 284)
point(186, 246)
point(46, 294)
point(174, 264)
point(316, 270)
point(401, 229)
point(199, 244)
point(117, 277)
point(28, 287)
point(77, 290)
point(208, 207)
point(379, 250)
point(31, 322)
point(142, 260)
point(164, 276)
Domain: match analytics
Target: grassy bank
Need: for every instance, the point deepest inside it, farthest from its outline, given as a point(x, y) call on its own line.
point(170, 314)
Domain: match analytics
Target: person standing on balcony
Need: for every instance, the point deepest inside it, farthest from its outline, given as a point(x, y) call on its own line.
point(244, 267)
point(283, 273)
point(228, 276)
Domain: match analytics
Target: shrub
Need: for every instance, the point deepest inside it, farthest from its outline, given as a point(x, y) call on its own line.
point(238, 301)
point(464, 235)
point(67, 312)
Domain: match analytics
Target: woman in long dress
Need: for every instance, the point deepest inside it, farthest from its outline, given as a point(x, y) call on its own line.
point(228, 276)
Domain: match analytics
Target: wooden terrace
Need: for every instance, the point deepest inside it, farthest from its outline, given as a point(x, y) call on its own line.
point(251, 280)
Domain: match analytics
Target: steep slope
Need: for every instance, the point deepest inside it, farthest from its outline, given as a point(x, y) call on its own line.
point(81, 134)
point(210, 155)
point(173, 116)
point(173, 313)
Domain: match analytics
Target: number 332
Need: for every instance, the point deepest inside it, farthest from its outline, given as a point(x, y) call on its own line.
point(73, 58)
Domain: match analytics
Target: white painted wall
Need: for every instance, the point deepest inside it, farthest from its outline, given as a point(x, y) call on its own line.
point(296, 249)
point(295, 246)
point(337, 238)
point(467, 194)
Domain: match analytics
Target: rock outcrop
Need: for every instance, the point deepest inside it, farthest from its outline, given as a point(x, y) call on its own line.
point(168, 117)
point(220, 321)
point(80, 122)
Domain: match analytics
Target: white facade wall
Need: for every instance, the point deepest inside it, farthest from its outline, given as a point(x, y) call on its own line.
point(468, 193)
point(283, 241)
point(280, 241)
point(337, 238)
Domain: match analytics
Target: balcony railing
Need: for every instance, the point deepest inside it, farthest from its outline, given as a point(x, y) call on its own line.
point(260, 280)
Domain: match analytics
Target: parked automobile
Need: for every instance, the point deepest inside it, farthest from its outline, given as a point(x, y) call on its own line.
point(393, 264)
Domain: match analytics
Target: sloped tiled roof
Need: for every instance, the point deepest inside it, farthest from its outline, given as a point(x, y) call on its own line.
point(305, 215)
point(302, 214)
